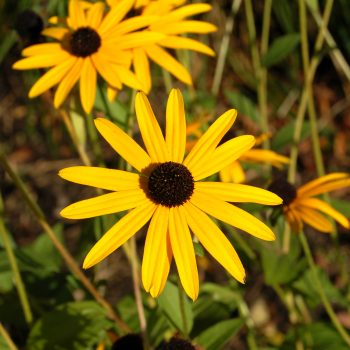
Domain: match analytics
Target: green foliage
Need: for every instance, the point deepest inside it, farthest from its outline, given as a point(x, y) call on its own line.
point(243, 104)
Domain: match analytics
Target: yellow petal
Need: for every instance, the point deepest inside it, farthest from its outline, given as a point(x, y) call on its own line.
point(322, 206)
point(182, 246)
point(42, 61)
point(177, 42)
point(95, 15)
point(142, 69)
point(42, 49)
point(107, 179)
point(132, 24)
point(151, 133)
point(222, 156)
point(52, 77)
point(76, 14)
point(214, 241)
point(134, 40)
point(229, 192)
point(232, 215)
point(176, 126)
point(119, 234)
point(111, 54)
point(127, 77)
point(68, 82)
point(104, 69)
point(233, 173)
point(294, 220)
point(123, 144)
point(314, 219)
point(88, 81)
point(155, 267)
point(105, 204)
point(55, 32)
point(169, 63)
point(184, 27)
point(208, 142)
point(114, 16)
point(112, 93)
point(265, 156)
point(319, 183)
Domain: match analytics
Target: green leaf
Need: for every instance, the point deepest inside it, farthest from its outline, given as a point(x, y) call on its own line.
point(79, 126)
point(243, 104)
point(7, 42)
point(76, 326)
point(284, 14)
point(6, 276)
point(169, 303)
point(217, 336)
point(341, 205)
point(280, 49)
point(127, 309)
point(3, 344)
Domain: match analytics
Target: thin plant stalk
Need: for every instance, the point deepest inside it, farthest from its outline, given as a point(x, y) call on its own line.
point(20, 286)
point(67, 257)
point(319, 287)
point(167, 80)
point(182, 308)
point(224, 46)
point(94, 139)
point(7, 338)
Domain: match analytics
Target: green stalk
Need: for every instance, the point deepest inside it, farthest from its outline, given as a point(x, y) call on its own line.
point(182, 308)
point(319, 287)
point(7, 338)
point(67, 257)
point(94, 139)
point(21, 290)
point(167, 80)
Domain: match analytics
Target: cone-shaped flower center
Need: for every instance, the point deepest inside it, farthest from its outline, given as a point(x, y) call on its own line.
point(84, 42)
point(170, 184)
point(284, 189)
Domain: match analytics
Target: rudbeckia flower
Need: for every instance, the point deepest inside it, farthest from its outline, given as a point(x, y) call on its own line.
point(91, 43)
point(172, 22)
point(167, 190)
point(300, 205)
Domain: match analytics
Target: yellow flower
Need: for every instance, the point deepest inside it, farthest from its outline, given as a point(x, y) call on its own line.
point(167, 191)
point(172, 22)
point(90, 43)
point(300, 205)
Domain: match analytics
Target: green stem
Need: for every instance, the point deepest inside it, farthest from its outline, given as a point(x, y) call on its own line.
point(167, 80)
point(319, 287)
point(94, 139)
point(182, 308)
point(7, 338)
point(104, 101)
point(21, 290)
point(69, 260)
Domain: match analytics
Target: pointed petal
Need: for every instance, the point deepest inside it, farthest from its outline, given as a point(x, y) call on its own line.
point(232, 215)
point(95, 15)
point(175, 126)
point(169, 63)
point(182, 246)
point(42, 49)
point(76, 14)
point(233, 173)
point(214, 241)
point(265, 156)
point(105, 204)
point(52, 77)
point(222, 156)
point(104, 69)
point(229, 192)
point(55, 32)
point(155, 267)
point(42, 61)
point(112, 93)
point(119, 233)
point(151, 133)
point(314, 219)
point(123, 144)
point(107, 179)
point(113, 55)
point(178, 42)
point(184, 27)
point(132, 24)
point(208, 142)
point(127, 77)
point(88, 81)
point(134, 40)
point(68, 82)
point(142, 69)
point(322, 206)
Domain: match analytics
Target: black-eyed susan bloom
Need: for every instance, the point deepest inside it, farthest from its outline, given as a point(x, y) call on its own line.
point(300, 205)
point(91, 43)
point(167, 190)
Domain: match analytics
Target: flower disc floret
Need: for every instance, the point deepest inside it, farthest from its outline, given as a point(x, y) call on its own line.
point(284, 189)
point(170, 184)
point(84, 42)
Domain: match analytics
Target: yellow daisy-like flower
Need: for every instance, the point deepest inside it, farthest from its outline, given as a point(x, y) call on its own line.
point(91, 43)
point(167, 191)
point(300, 205)
point(172, 22)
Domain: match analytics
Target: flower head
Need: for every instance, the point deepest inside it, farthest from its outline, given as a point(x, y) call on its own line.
point(90, 43)
point(300, 205)
point(167, 190)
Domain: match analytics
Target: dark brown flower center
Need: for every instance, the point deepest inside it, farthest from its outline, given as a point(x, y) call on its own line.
point(84, 42)
point(170, 184)
point(284, 189)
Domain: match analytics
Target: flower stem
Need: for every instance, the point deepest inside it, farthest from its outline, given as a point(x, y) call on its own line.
point(7, 338)
point(69, 260)
point(182, 308)
point(96, 149)
point(327, 305)
point(21, 290)
point(167, 80)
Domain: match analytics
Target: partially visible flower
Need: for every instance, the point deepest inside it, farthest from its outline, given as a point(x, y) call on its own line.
point(89, 44)
point(300, 205)
point(167, 191)
point(172, 22)
point(29, 25)
point(175, 343)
